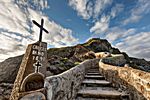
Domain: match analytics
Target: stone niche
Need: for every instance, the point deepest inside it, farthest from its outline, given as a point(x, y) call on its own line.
point(32, 82)
point(32, 87)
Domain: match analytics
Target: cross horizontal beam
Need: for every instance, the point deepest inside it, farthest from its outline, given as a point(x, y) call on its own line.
point(41, 28)
point(40, 25)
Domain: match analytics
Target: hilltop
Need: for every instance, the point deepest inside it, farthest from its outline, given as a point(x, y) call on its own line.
point(61, 59)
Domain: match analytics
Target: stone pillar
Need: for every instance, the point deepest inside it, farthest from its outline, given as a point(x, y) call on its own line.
point(29, 82)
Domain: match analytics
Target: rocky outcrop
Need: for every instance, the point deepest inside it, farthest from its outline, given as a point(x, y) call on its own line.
point(141, 64)
point(61, 59)
point(98, 45)
point(59, 64)
point(115, 59)
point(9, 69)
point(5, 90)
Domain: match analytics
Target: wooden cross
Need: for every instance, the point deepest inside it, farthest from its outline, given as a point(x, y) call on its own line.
point(41, 28)
point(37, 65)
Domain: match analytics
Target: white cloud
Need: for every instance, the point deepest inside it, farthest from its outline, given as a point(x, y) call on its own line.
point(116, 33)
point(9, 46)
point(100, 5)
point(88, 8)
point(10, 21)
point(58, 36)
point(101, 26)
point(82, 7)
point(137, 13)
point(116, 10)
point(17, 30)
point(132, 19)
point(137, 45)
point(112, 36)
point(33, 4)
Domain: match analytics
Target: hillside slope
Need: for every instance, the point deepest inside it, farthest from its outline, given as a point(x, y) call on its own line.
point(61, 59)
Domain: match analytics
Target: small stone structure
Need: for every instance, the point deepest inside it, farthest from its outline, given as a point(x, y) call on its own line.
point(31, 74)
point(29, 83)
point(102, 54)
point(135, 82)
point(65, 86)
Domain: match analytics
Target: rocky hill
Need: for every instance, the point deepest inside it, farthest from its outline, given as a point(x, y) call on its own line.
point(61, 59)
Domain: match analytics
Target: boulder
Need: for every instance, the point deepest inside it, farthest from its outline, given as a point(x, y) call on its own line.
point(90, 55)
point(5, 90)
point(9, 69)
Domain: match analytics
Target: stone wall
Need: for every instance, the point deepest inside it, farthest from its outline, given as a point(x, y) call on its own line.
point(65, 86)
point(135, 82)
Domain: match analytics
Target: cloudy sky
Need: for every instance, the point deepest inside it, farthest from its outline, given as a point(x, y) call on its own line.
point(124, 23)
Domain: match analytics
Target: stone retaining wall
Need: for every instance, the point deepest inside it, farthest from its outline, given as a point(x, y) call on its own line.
point(135, 82)
point(65, 86)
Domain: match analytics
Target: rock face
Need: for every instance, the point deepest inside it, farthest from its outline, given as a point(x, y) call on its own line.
point(115, 59)
point(5, 90)
point(141, 64)
point(61, 59)
point(9, 69)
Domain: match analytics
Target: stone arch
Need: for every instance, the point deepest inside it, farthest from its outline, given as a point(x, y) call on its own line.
point(33, 81)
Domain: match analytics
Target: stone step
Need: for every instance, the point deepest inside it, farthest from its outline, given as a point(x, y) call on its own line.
point(92, 71)
point(89, 73)
point(82, 98)
point(98, 88)
point(102, 94)
point(94, 77)
point(95, 82)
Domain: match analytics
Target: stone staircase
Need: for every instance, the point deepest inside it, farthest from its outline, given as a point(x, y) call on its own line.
point(95, 87)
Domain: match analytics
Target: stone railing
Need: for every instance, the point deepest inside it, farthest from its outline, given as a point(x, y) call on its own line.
point(65, 86)
point(135, 82)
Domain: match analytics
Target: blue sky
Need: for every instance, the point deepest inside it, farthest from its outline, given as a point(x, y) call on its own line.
point(124, 23)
